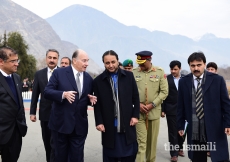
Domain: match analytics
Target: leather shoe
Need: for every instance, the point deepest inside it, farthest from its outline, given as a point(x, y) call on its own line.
point(174, 159)
point(181, 153)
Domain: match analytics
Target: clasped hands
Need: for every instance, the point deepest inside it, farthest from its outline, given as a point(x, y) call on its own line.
point(146, 108)
point(70, 96)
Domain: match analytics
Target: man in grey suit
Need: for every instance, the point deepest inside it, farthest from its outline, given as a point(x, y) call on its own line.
point(12, 115)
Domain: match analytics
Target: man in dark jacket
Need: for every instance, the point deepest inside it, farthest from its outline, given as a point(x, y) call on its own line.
point(41, 78)
point(117, 110)
point(204, 102)
point(12, 115)
point(169, 108)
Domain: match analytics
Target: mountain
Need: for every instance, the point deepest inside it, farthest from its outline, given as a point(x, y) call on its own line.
point(38, 34)
point(95, 32)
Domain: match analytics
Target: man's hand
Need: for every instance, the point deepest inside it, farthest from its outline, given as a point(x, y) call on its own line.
point(70, 96)
point(181, 132)
point(143, 108)
point(149, 106)
point(162, 114)
point(227, 131)
point(101, 128)
point(93, 99)
point(33, 118)
point(133, 121)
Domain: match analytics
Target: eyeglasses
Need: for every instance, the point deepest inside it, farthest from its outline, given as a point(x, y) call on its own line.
point(14, 61)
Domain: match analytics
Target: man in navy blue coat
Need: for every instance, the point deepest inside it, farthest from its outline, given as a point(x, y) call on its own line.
point(209, 122)
point(68, 121)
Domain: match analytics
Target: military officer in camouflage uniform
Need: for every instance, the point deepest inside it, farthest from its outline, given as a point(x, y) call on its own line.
point(153, 89)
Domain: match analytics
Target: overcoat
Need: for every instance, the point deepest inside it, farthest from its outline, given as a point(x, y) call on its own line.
point(104, 109)
point(216, 106)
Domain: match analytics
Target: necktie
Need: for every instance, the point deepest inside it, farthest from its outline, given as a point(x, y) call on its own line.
point(78, 84)
point(51, 72)
point(199, 100)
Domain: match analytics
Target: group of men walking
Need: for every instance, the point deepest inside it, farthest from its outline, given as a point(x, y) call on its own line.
point(127, 104)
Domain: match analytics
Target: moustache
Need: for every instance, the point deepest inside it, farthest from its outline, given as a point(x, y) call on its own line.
point(196, 71)
point(51, 63)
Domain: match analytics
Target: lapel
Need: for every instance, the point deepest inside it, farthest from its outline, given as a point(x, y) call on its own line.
point(70, 76)
point(171, 81)
point(17, 84)
point(6, 86)
point(189, 82)
point(45, 75)
point(208, 82)
point(85, 79)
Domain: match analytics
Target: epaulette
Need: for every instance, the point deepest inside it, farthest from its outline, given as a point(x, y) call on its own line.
point(159, 68)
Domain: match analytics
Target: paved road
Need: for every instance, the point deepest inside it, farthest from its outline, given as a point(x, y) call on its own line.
point(33, 149)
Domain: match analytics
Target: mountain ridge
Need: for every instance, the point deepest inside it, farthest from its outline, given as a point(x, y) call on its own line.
point(38, 34)
point(96, 32)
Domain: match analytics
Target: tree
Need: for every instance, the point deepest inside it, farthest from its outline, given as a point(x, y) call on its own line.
point(3, 41)
point(27, 65)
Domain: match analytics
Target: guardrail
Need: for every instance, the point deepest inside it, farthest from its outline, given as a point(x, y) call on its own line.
point(27, 96)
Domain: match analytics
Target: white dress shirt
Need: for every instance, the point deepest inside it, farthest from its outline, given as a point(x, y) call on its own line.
point(4, 74)
point(49, 72)
point(196, 82)
point(80, 77)
point(176, 81)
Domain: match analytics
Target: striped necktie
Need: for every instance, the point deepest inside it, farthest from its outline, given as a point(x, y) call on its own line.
point(199, 100)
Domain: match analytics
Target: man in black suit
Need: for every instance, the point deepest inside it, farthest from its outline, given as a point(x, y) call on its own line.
point(169, 107)
point(12, 115)
point(41, 79)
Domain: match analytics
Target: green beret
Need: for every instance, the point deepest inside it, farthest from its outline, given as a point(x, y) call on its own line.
point(127, 62)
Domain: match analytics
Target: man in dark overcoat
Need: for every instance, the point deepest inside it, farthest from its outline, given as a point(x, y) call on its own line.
point(204, 102)
point(117, 110)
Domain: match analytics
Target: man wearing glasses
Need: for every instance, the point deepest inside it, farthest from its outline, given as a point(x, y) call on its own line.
point(12, 115)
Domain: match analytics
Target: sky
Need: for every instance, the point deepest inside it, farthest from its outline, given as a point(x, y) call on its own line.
point(191, 18)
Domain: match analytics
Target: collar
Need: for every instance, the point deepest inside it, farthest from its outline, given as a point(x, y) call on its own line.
point(51, 69)
point(201, 77)
point(4, 74)
point(75, 71)
point(151, 69)
point(175, 77)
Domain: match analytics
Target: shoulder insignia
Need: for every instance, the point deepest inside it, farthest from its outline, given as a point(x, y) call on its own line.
point(153, 69)
point(159, 68)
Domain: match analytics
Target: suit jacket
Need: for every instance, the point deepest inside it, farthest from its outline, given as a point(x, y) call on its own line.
point(169, 105)
point(66, 117)
point(104, 109)
point(10, 114)
point(40, 82)
point(216, 104)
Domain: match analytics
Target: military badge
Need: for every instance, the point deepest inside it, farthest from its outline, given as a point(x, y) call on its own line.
point(139, 57)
